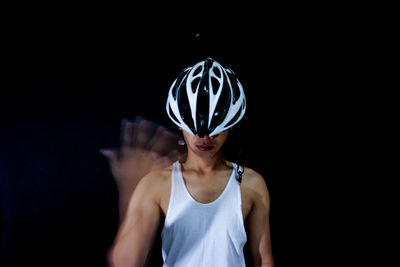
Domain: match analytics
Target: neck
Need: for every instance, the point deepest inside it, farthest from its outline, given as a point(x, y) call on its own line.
point(204, 164)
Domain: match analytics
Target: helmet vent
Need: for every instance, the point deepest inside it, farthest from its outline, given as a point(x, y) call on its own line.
point(234, 119)
point(217, 72)
point(173, 117)
point(197, 70)
point(195, 83)
point(215, 85)
point(235, 86)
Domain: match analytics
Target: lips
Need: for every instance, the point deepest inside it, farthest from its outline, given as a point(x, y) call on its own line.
point(204, 147)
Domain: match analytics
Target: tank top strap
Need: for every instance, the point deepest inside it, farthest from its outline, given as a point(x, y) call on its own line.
point(238, 171)
point(178, 186)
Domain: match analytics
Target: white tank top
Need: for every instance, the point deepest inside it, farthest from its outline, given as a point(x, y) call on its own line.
point(197, 234)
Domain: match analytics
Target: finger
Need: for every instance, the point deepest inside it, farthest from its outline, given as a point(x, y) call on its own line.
point(143, 132)
point(164, 141)
point(110, 154)
point(154, 143)
point(127, 133)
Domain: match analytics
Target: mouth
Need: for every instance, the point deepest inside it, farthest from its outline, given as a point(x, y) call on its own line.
point(204, 147)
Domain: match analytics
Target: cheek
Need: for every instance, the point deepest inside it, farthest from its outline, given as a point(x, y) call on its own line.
point(189, 139)
point(222, 138)
point(219, 142)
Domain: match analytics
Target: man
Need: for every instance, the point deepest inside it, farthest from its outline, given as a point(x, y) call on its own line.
point(203, 201)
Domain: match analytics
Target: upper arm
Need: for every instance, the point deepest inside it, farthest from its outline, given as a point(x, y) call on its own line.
point(258, 223)
point(136, 233)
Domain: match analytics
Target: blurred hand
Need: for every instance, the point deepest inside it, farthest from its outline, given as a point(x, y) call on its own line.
point(145, 146)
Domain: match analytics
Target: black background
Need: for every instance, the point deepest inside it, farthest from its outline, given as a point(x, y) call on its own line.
point(68, 77)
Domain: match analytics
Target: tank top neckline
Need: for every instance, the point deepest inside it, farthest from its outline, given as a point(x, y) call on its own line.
point(187, 193)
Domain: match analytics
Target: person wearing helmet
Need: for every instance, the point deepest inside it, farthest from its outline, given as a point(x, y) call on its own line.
point(207, 207)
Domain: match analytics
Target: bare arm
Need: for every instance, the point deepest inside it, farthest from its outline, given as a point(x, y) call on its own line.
point(258, 225)
point(137, 231)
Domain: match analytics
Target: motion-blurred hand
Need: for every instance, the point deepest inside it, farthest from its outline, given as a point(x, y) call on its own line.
point(145, 146)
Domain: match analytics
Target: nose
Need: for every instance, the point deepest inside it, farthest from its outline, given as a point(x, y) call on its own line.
point(205, 137)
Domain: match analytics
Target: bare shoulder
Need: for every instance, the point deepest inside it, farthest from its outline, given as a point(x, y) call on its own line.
point(157, 176)
point(254, 183)
point(252, 178)
point(154, 183)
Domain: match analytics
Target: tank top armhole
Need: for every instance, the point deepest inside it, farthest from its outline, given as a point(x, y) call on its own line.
point(239, 198)
point(241, 219)
point(172, 193)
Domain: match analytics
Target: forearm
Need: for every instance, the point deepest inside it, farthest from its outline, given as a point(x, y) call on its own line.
point(125, 253)
point(131, 247)
point(137, 232)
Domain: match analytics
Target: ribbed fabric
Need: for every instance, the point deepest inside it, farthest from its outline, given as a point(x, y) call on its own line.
point(197, 234)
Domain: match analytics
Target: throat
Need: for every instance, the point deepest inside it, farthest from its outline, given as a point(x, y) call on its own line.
point(204, 164)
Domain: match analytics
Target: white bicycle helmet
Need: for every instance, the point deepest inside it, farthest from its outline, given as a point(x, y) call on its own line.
point(206, 98)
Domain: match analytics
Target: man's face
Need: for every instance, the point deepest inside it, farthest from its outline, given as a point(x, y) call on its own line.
point(207, 145)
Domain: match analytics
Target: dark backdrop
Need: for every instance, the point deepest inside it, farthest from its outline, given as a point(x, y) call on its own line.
point(67, 82)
